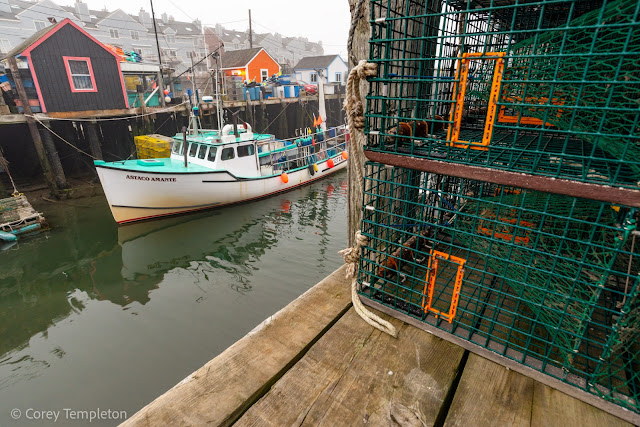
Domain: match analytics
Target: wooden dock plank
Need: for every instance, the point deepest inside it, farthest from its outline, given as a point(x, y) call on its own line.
point(491, 395)
point(553, 408)
point(355, 374)
point(226, 386)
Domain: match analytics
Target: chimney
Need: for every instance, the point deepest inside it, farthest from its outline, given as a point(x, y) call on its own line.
point(82, 10)
point(144, 18)
point(277, 36)
point(165, 18)
point(5, 6)
point(197, 23)
point(219, 29)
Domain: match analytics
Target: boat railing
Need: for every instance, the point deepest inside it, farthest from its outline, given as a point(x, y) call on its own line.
point(296, 156)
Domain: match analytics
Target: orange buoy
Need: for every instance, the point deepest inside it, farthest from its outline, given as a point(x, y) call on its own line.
point(345, 155)
point(330, 163)
point(284, 177)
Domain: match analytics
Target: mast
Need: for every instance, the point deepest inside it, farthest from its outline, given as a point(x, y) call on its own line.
point(160, 78)
point(322, 109)
point(194, 106)
point(218, 104)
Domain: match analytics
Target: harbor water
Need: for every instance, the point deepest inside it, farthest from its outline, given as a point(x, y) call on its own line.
point(96, 317)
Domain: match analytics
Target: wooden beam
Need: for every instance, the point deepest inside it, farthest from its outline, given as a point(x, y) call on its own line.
point(33, 128)
point(491, 395)
point(600, 192)
point(358, 375)
point(89, 114)
point(223, 389)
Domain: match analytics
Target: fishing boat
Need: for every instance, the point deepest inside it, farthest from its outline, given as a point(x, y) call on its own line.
point(213, 168)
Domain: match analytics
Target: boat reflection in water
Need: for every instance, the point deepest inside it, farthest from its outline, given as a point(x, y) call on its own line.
point(169, 293)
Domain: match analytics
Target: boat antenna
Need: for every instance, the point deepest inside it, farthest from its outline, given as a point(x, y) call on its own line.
point(234, 118)
point(160, 79)
point(218, 88)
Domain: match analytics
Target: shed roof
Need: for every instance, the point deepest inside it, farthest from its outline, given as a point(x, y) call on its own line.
point(31, 40)
point(312, 62)
point(239, 58)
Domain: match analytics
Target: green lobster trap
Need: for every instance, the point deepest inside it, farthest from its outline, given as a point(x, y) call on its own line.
point(548, 281)
point(543, 87)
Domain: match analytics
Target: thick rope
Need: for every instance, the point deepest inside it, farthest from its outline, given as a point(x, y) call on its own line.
point(357, 15)
point(4, 164)
point(351, 257)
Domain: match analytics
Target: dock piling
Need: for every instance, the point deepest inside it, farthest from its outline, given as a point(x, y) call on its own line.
point(94, 142)
point(33, 128)
point(54, 158)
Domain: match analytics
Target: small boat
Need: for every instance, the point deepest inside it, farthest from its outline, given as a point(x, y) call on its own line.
point(7, 237)
point(210, 168)
point(18, 217)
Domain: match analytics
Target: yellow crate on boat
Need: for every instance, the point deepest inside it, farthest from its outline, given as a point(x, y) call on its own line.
point(153, 146)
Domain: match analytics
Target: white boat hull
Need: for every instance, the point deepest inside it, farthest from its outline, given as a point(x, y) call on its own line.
point(136, 196)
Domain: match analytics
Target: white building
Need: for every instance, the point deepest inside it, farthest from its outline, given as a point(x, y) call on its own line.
point(332, 67)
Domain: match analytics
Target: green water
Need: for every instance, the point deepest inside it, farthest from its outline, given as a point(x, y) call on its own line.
point(93, 315)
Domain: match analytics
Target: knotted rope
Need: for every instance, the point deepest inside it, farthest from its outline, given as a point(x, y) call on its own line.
point(351, 257)
point(353, 100)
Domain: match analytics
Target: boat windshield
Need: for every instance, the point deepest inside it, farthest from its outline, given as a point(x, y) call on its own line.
point(212, 154)
point(227, 153)
point(202, 151)
point(177, 147)
point(246, 150)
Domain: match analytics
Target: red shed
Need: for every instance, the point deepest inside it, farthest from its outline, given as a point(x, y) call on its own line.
point(64, 69)
point(251, 64)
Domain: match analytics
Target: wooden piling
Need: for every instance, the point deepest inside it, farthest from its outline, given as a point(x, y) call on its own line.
point(52, 154)
point(33, 128)
point(94, 141)
point(360, 50)
point(249, 110)
point(283, 126)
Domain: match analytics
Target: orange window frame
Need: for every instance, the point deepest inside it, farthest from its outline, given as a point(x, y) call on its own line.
point(508, 236)
point(459, 89)
point(430, 282)
point(503, 118)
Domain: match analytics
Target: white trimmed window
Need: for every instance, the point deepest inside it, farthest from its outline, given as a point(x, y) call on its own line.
point(314, 78)
point(113, 33)
point(80, 74)
point(135, 35)
point(171, 38)
point(5, 45)
point(338, 77)
point(39, 25)
point(264, 74)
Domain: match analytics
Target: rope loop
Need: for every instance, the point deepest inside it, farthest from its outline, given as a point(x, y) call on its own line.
point(351, 257)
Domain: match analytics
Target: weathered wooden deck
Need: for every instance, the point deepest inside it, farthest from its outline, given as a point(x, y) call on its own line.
point(317, 363)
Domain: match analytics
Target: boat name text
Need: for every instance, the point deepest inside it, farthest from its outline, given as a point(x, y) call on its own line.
point(148, 178)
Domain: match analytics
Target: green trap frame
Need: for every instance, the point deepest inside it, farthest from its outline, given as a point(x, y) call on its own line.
point(549, 88)
point(548, 282)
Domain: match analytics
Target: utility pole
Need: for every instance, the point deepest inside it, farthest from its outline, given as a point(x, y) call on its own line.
point(160, 78)
point(250, 32)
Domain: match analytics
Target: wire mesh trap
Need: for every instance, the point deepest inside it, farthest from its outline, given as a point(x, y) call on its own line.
point(547, 87)
point(549, 281)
